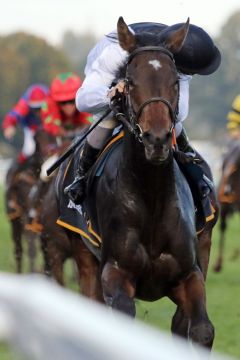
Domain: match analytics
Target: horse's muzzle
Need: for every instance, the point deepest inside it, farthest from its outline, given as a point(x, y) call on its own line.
point(157, 148)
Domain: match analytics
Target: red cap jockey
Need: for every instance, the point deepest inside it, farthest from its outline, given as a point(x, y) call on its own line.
point(59, 112)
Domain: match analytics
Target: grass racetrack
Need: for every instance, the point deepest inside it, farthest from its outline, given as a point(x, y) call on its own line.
point(223, 291)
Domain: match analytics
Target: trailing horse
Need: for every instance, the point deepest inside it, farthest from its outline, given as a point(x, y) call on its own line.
point(20, 180)
point(228, 197)
point(141, 208)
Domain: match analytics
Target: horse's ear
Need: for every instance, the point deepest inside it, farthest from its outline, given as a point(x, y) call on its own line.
point(175, 40)
point(125, 37)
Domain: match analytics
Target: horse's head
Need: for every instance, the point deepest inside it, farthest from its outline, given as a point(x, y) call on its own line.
point(152, 87)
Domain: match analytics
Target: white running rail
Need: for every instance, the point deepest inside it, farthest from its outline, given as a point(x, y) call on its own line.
point(43, 321)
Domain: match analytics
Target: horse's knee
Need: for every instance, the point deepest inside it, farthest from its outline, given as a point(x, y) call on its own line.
point(118, 289)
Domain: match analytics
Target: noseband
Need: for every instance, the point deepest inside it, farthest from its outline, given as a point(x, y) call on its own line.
point(133, 117)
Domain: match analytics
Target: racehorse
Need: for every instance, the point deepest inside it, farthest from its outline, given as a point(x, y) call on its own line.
point(20, 179)
point(228, 196)
point(142, 207)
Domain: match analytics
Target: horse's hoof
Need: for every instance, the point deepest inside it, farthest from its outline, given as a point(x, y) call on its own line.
point(202, 334)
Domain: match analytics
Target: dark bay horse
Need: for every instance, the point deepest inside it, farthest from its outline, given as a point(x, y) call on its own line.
point(228, 196)
point(20, 180)
point(142, 207)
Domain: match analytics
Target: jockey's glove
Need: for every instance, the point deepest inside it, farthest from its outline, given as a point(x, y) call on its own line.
point(116, 102)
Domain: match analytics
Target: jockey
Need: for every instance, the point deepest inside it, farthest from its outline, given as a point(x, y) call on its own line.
point(198, 55)
point(60, 119)
point(59, 112)
point(26, 113)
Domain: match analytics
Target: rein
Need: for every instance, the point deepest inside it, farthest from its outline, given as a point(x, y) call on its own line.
point(131, 121)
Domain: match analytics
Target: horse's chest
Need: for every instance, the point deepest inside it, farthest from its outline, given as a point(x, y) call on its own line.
point(156, 238)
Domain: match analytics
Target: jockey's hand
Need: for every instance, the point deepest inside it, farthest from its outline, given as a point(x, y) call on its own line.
point(115, 94)
point(119, 88)
point(9, 132)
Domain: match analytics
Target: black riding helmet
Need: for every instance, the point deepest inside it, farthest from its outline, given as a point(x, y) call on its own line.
point(150, 27)
point(198, 55)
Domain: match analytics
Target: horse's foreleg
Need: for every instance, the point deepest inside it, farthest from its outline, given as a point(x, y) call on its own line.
point(118, 289)
point(204, 247)
point(44, 246)
point(55, 258)
point(57, 270)
point(223, 224)
point(88, 270)
point(17, 230)
point(190, 297)
point(31, 238)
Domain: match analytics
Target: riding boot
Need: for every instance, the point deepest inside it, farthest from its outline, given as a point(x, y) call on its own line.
point(192, 167)
point(76, 190)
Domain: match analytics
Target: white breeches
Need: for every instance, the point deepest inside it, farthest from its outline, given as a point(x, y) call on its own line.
point(29, 144)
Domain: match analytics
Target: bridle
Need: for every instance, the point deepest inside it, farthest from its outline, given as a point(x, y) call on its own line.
point(131, 120)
